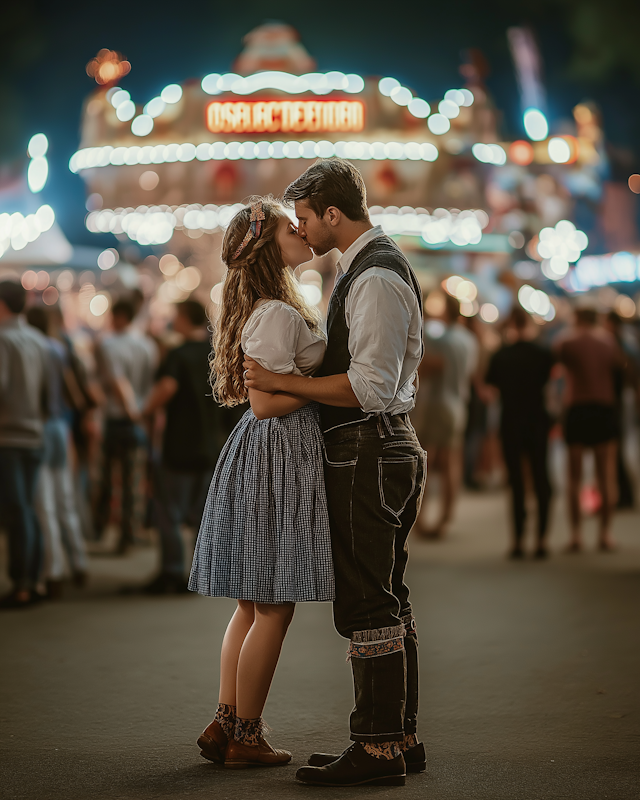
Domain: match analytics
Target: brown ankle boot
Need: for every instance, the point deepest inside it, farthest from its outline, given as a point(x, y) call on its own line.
point(213, 743)
point(242, 756)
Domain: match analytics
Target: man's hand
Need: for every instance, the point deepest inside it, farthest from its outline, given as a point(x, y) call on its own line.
point(333, 390)
point(257, 377)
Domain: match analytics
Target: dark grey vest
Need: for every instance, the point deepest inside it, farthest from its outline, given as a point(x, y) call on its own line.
point(381, 252)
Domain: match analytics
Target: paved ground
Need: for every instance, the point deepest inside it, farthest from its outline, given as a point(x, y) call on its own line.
point(529, 680)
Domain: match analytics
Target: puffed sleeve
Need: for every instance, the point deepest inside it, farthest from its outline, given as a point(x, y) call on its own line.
point(271, 337)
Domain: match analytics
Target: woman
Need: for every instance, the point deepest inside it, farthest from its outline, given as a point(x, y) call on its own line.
point(264, 538)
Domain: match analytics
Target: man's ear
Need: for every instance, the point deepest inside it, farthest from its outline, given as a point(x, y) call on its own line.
point(333, 215)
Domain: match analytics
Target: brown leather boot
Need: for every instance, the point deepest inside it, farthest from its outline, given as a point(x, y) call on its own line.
point(242, 756)
point(213, 743)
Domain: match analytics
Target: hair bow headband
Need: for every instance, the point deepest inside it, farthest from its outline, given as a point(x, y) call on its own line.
point(255, 226)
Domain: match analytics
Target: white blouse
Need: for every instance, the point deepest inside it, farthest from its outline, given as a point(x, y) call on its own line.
point(277, 337)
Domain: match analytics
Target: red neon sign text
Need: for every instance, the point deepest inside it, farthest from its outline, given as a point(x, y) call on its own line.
point(286, 116)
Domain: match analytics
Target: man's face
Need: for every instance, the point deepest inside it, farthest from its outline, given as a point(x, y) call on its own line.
point(316, 231)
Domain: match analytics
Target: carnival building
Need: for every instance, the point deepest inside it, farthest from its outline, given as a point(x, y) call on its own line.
point(166, 173)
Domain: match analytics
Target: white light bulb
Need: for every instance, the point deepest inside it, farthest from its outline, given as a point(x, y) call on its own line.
point(125, 111)
point(45, 217)
point(155, 107)
point(419, 108)
point(450, 109)
point(38, 145)
point(559, 150)
point(535, 124)
point(142, 125)
point(171, 93)
point(119, 97)
point(387, 85)
point(37, 174)
point(210, 83)
point(438, 124)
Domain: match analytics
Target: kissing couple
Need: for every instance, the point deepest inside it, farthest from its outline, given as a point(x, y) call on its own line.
point(318, 486)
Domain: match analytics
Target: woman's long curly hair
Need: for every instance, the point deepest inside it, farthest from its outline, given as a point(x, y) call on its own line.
point(259, 273)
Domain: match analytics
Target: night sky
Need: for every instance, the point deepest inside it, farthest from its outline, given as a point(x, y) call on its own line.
point(589, 49)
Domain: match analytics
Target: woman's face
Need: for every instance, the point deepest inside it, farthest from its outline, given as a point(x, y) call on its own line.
point(295, 251)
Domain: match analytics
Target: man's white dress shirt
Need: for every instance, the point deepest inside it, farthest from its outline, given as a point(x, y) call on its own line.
point(385, 334)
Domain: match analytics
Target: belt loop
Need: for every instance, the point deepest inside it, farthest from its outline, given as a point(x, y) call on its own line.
point(381, 433)
point(387, 422)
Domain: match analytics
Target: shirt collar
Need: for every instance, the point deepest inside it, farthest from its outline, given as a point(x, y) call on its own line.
point(346, 259)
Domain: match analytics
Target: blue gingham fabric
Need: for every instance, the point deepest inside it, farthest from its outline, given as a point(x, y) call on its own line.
point(264, 534)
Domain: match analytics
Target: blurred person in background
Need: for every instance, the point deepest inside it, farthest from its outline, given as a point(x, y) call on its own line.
point(24, 393)
point(626, 382)
point(449, 362)
point(481, 458)
point(192, 439)
point(56, 504)
point(83, 396)
point(127, 361)
point(592, 360)
point(520, 371)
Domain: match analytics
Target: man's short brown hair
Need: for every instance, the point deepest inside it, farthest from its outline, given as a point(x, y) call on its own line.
point(13, 296)
point(331, 182)
point(193, 311)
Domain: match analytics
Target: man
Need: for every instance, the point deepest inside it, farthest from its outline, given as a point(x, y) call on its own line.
point(56, 504)
point(592, 360)
point(451, 358)
point(192, 440)
point(374, 470)
point(520, 371)
point(23, 401)
point(128, 360)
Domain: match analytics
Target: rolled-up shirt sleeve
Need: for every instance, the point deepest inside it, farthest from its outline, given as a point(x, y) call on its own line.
point(378, 317)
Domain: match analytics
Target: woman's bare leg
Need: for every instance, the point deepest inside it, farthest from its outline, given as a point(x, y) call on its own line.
point(237, 630)
point(575, 481)
point(605, 455)
point(259, 656)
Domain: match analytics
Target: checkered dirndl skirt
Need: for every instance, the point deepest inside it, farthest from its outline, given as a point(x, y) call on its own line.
point(264, 534)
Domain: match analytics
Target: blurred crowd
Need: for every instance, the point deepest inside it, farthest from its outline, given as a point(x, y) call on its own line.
point(493, 399)
point(100, 437)
point(104, 435)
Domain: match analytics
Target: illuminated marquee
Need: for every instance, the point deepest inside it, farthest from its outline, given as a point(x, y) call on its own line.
point(286, 116)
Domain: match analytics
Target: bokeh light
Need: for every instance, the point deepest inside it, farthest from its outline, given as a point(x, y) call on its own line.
point(559, 150)
point(149, 180)
point(216, 294)
point(37, 174)
point(50, 296)
point(107, 67)
point(169, 265)
point(108, 258)
point(489, 312)
point(65, 280)
point(29, 280)
point(98, 305)
point(521, 152)
point(188, 279)
point(142, 125)
point(438, 124)
point(38, 145)
point(171, 94)
point(625, 306)
point(535, 124)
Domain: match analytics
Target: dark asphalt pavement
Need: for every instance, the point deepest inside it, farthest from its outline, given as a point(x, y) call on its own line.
point(529, 672)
